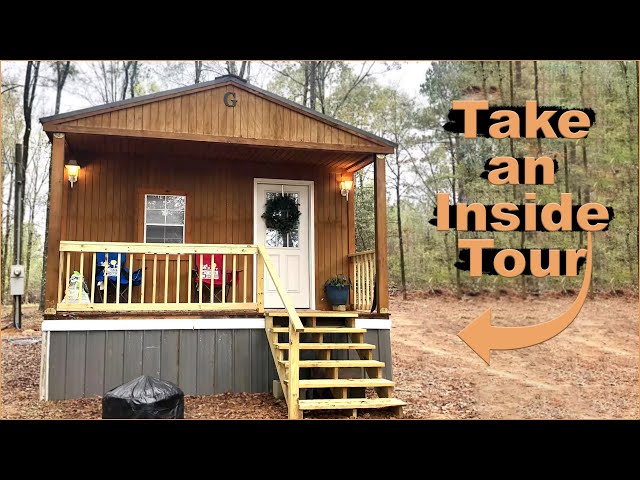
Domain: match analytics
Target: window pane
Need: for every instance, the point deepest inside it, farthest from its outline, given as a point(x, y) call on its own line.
point(173, 234)
point(155, 231)
point(155, 216)
point(175, 202)
point(273, 238)
point(175, 217)
point(155, 202)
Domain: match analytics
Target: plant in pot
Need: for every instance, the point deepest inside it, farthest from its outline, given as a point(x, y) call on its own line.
point(337, 290)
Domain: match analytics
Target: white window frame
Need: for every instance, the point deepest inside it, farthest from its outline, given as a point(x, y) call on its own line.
point(183, 225)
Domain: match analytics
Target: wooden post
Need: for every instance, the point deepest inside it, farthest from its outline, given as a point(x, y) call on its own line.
point(351, 240)
point(260, 282)
point(294, 373)
point(55, 221)
point(382, 272)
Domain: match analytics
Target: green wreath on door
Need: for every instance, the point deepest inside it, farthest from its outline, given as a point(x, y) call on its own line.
point(282, 213)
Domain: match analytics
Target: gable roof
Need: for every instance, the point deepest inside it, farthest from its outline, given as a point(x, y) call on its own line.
point(89, 117)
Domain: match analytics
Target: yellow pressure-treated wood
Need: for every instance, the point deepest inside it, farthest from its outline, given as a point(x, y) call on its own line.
point(341, 403)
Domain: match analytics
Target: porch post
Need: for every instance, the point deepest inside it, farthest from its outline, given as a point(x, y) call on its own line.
point(382, 272)
point(55, 221)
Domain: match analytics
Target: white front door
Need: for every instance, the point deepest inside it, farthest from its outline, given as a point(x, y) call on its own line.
point(291, 254)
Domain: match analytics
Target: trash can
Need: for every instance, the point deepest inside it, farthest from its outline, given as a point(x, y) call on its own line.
point(144, 397)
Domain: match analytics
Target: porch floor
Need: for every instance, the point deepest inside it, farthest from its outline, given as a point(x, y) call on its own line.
point(213, 314)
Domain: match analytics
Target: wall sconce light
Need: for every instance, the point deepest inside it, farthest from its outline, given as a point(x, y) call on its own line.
point(72, 171)
point(345, 186)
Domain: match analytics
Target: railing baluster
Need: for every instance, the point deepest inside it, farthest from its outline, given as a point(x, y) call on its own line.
point(233, 279)
point(357, 285)
point(244, 280)
point(200, 283)
point(60, 276)
point(130, 287)
point(144, 267)
point(178, 279)
point(118, 267)
point(212, 285)
point(105, 279)
point(93, 277)
point(81, 276)
point(66, 291)
point(224, 278)
point(189, 274)
point(155, 271)
point(166, 278)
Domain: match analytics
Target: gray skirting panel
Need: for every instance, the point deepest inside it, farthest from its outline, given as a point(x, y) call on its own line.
point(201, 362)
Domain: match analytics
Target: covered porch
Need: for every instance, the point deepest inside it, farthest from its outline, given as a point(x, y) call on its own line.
point(104, 213)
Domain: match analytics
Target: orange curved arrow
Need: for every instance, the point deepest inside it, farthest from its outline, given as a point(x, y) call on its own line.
point(483, 337)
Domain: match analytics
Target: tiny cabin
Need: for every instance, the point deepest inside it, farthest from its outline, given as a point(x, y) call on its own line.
point(173, 250)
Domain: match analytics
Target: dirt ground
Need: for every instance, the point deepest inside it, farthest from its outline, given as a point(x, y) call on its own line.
point(588, 371)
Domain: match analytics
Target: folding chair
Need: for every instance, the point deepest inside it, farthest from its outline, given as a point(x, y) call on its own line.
point(107, 265)
point(211, 266)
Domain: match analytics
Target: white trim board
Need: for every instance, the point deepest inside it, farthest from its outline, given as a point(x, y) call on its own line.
point(154, 324)
point(181, 324)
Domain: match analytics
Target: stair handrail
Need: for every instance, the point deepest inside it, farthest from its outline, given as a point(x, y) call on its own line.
point(295, 328)
point(284, 296)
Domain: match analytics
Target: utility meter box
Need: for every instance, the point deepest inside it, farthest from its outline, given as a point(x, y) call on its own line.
point(17, 280)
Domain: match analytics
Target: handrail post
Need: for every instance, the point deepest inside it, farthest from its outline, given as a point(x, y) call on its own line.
point(294, 373)
point(260, 282)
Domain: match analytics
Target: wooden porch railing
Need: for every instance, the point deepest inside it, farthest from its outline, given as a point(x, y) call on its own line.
point(363, 272)
point(167, 282)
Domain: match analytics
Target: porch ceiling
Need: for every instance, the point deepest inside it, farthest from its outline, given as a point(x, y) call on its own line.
point(85, 145)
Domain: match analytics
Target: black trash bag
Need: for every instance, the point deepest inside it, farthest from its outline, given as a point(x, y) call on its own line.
point(144, 397)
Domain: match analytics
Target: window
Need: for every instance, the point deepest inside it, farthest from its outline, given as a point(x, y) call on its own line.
point(164, 217)
point(274, 238)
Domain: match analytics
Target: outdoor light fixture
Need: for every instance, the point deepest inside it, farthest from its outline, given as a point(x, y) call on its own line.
point(345, 186)
point(72, 171)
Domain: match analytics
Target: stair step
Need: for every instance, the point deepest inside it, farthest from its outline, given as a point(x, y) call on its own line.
point(345, 382)
point(311, 314)
point(341, 403)
point(322, 330)
point(329, 346)
point(336, 363)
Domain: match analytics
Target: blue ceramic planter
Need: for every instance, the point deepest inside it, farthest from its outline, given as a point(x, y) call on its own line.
point(337, 295)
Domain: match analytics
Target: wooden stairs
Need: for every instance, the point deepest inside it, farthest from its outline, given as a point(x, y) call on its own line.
point(330, 385)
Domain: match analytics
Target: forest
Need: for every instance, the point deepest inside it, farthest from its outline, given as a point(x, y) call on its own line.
point(603, 167)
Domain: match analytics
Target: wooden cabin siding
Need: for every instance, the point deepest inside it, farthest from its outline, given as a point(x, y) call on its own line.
point(106, 205)
point(204, 113)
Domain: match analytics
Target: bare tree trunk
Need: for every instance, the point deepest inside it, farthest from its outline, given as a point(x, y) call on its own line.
point(198, 65)
point(500, 81)
point(5, 241)
point(243, 68)
point(30, 232)
point(455, 200)
point(232, 68)
point(518, 74)
point(30, 83)
point(125, 82)
point(403, 276)
point(62, 70)
point(313, 78)
point(305, 95)
point(133, 81)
